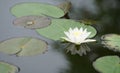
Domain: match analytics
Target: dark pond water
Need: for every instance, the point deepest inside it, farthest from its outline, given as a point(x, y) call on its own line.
point(106, 12)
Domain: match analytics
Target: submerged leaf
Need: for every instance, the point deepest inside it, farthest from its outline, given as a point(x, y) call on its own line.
point(32, 21)
point(56, 30)
point(7, 68)
point(107, 64)
point(65, 6)
point(34, 8)
point(23, 46)
point(111, 41)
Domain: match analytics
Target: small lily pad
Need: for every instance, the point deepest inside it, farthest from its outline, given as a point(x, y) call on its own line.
point(23, 46)
point(107, 64)
point(56, 30)
point(7, 68)
point(32, 21)
point(65, 6)
point(111, 41)
point(35, 8)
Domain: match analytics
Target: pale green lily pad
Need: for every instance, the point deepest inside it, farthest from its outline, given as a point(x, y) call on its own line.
point(111, 41)
point(10, 46)
point(33, 47)
point(33, 8)
point(65, 6)
point(107, 64)
point(23, 46)
point(7, 68)
point(32, 21)
point(56, 30)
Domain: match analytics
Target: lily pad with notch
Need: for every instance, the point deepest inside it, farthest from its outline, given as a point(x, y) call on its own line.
point(36, 8)
point(107, 64)
point(32, 21)
point(56, 30)
point(7, 68)
point(111, 41)
point(26, 46)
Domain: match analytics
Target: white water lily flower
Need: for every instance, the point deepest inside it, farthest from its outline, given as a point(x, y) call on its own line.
point(77, 36)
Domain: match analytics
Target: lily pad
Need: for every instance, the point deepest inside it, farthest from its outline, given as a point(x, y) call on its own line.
point(111, 41)
point(23, 46)
point(65, 6)
point(7, 68)
point(56, 30)
point(33, 47)
point(10, 46)
point(107, 64)
point(35, 8)
point(32, 21)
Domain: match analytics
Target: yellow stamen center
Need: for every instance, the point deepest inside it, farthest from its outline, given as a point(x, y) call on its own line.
point(76, 33)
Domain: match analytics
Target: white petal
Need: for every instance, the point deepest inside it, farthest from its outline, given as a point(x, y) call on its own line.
point(65, 38)
point(70, 30)
point(75, 29)
point(85, 35)
point(88, 40)
point(67, 34)
point(81, 29)
point(85, 31)
point(77, 39)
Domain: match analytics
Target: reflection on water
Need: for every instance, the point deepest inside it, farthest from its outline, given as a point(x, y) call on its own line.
point(107, 13)
point(51, 62)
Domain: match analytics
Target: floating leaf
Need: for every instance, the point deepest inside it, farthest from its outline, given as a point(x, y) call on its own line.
point(7, 68)
point(32, 8)
point(112, 41)
point(107, 64)
point(33, 47)
point(23, 46)
point(10, 46)
point(65, 6)
point(32, 22)
point(56, 30)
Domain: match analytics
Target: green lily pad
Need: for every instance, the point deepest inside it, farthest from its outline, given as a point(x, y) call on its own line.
point(33, 8)
point(7, 68)
point(107, 64)
point(56, 30)
point(65, 6)
point(33, 47)
point(23, 46)
point(111, 41)
point(32, 21)
point(10, 46)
